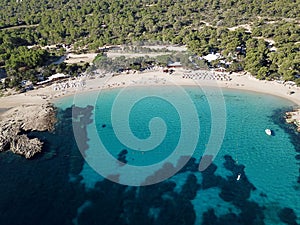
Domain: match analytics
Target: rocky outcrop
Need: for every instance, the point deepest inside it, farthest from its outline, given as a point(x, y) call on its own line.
point(294, 117)
point(18, 121)
point(22, 145)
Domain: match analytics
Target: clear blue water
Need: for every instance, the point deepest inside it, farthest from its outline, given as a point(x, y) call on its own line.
point(60, 187)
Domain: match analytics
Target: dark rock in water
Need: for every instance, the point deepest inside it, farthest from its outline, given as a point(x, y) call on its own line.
point(122, 156)
point(84, 114)
point(230, 219)
point(176, 211)
point(288, 216)
point(190, 188)
point(191, 166)
point(209, 178)
point(279, 117)
point(205, 162)
point(211, 169)
point(263, 195)
point(17, 122)
point(209, 218)
point(106, 194)
point(167, 170)
point(231, 165)
point(251, 213)
point(233, 190)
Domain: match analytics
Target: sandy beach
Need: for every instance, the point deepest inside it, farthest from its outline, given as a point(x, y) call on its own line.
point(149, 78)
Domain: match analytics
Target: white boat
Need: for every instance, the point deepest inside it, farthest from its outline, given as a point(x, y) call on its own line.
point(238, 177)
point(268, 132)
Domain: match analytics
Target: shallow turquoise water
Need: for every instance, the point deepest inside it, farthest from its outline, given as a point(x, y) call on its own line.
point(269, 161)
point(59, 186)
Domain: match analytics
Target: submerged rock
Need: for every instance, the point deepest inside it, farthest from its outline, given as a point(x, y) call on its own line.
point(288, 216)
point(18, 121)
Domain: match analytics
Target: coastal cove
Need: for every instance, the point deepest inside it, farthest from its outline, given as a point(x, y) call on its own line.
point(267, 193)
point(156, 77)
point(65, 183)
point(150, 112)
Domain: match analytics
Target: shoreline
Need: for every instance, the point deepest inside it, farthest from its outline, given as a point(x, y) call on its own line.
point(35, 108)
point(151, 78)
point(3, 110)
point(158, 78)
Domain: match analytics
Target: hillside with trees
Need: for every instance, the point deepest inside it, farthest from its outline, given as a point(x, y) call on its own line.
point(201, 25)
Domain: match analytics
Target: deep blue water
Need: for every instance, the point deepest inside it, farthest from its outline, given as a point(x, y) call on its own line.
point(60, 187)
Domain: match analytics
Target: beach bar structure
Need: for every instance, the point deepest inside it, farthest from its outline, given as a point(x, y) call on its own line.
point(54, 77)
point(174, 65)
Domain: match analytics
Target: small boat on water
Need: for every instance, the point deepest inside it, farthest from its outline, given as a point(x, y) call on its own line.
point(238, 177)
point(268, 132)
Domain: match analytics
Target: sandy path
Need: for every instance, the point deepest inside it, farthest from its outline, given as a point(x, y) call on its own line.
point(19, 27)
point(72, 58)
point(245, 26)
point(135, 55)
point(168, 47)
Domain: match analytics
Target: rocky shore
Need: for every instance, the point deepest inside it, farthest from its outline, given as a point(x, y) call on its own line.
point(294, 117)
point(17, 122)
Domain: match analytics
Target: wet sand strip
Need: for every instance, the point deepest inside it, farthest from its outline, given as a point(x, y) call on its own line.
point(3, 110)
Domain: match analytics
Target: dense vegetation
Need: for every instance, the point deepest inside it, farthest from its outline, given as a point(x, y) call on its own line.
point(106, 21)
point(23, 63)
point(122, 64)
point(94, 23)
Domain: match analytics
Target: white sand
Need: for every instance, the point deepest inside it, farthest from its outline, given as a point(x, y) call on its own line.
point(150, 78)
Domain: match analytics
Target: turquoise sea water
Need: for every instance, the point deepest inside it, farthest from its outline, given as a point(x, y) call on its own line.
point(60, 187)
